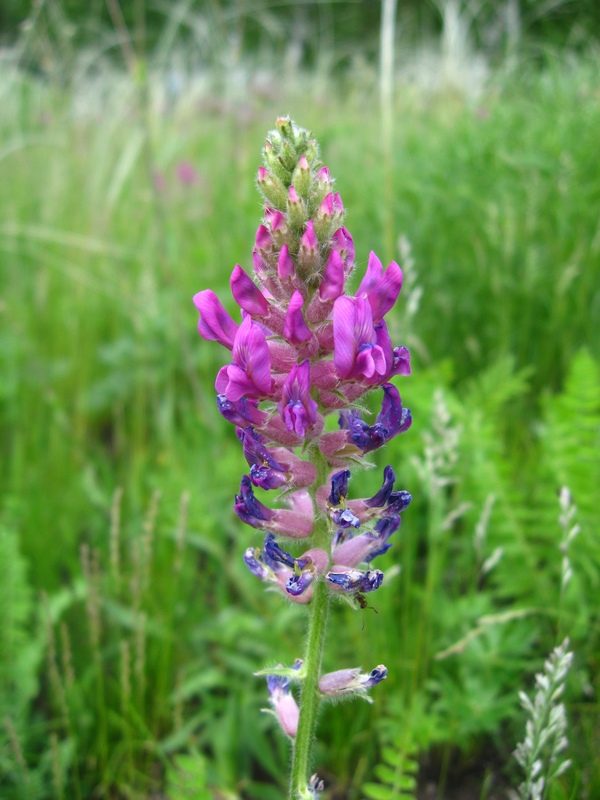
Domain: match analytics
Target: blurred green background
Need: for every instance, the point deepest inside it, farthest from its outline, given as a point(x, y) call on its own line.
point(130, 136)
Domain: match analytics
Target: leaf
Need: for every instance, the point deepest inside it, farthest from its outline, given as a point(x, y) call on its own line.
point(375, 791)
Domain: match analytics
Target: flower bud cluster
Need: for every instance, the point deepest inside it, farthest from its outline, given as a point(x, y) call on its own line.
point(305, 349)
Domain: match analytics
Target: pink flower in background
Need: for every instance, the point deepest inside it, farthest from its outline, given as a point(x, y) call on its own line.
point(186, 173)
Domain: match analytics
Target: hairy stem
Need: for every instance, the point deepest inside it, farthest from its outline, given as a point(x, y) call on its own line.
point(309, 704)
point(313, 655)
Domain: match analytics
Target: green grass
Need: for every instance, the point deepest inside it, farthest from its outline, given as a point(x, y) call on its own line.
point(106, 385)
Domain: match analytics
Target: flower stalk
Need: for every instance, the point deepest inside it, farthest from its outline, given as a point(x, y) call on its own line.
point(306, 349)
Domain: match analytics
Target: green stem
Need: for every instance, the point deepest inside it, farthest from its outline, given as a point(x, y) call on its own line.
point(309, 703)
point(315, 644)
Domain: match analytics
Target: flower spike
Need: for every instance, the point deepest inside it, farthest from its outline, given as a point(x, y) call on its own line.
point(308, 348)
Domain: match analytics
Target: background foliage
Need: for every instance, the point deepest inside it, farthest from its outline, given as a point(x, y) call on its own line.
point(130, 626)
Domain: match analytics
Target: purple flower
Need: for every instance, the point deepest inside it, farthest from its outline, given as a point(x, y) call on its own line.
point(250, 373)
point(381, 289)
point(339, 487)
point(284, 705)
point(308, 252)
point(397, 503)
point(298, 583)
point(294, 524)
point(275, 553)
point(357, 353)
point(344, 518)
point(332, 283)
point(242, 412)
point(391, 420)
point(298, 409)
point(380, 499)
point(351, 681)
point(355, 580)
point(285, 266)
point(214, 324)
point(253, 561)
point(186, 173)
point(385, 502)
point(343, 243)
point(249, 509)
point(247, 294)
point(265, 471)
point(295, 330)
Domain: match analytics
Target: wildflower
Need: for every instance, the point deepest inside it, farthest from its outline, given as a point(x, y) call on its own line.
point(306, 349)
point(284, 705)
point(346, 682)
point(186, 173)
point(298, 409)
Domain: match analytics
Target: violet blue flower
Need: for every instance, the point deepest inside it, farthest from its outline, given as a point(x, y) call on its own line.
point(339, 487)
point(351, 681)
point(275, 553)
point(355, 580)
point(391, 420)
point(285, 522)
point(265, 470)
point(242, 412)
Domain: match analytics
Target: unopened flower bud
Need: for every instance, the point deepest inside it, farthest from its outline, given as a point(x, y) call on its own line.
point(247, 294)
point(275, 163)
point(309, 259)
point(301, 177)
point(272, 188)
point(295, 330)
point(296, 207)
point(285, 266)
point(322, 185)
point(329, 215)
point(288, 155)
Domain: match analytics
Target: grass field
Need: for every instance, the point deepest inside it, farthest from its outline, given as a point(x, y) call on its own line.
point(131, 627)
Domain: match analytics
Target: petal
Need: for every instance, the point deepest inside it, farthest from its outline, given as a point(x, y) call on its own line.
point(332, 284)
point(372, 276)
point(344, 354)
point(247, 294)
point(295, 330)
point(215, 324)
point(251, 353)
point(285, 265)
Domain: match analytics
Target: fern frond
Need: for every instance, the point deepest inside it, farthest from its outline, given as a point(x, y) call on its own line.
point(396, 772)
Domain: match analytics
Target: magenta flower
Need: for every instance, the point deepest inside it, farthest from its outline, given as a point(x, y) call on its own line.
point(307, 349)
point(186, 173)
point(247, 294)
point(357, 351)
point(298, 409)
point(250, 373)
point(295, 330)
point(380, 288)
point(214, 324)
point(334, 277)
